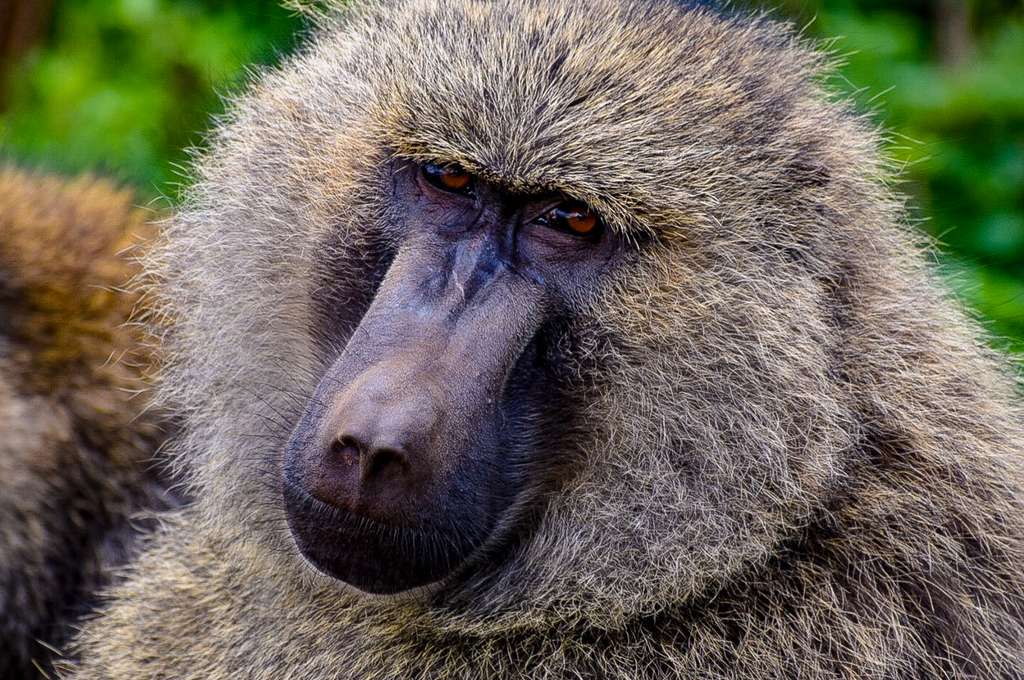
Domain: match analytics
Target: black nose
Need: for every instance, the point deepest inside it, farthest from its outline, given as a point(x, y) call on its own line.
point(376, 453)
point(377, 463)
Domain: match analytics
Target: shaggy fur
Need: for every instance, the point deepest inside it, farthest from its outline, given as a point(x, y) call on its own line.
point(781, 449)
point(73, 453)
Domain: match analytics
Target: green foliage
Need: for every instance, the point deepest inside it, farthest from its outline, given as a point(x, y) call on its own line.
point(957, 131)
point(122, 86)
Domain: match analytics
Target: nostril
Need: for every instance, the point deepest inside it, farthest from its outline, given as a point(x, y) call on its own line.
point(375, 463)
point(346, 449)
point(384, 463)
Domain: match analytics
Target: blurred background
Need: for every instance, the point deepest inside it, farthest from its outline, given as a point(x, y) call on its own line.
point(121, 87)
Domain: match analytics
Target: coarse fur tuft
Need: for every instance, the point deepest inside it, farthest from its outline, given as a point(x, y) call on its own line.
point(75, 449)
point(791, 453)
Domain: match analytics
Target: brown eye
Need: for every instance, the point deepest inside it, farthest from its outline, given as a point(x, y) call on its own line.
point(448, 177)
point(574, 217)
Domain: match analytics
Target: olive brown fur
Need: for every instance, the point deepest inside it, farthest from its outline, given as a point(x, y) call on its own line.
point(76, 450)
point(775, 447)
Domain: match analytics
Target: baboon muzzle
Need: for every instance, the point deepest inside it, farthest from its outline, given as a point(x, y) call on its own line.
point(395, 471)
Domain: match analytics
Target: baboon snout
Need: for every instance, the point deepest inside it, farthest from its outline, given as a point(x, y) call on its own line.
point(377, 452)
point(399, 468)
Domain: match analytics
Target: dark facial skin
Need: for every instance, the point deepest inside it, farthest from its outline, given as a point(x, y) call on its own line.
point(406, 457)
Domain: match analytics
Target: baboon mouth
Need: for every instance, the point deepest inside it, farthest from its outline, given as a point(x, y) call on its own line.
point(374, 557)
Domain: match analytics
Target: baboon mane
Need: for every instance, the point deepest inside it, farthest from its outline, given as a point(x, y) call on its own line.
point(76, 446)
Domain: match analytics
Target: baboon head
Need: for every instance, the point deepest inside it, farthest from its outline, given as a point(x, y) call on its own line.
point(524, 307)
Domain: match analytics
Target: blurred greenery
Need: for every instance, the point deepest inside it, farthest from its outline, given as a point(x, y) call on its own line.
point(122, 86)
point(955, 108)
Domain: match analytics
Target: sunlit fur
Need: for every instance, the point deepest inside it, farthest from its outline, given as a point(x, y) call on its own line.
point(75, 448)
point(791, 453)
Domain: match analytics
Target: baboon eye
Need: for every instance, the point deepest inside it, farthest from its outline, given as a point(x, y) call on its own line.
point(573, 217)
point(448, 177)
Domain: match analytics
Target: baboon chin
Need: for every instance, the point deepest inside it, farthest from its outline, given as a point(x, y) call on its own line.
point(569, 339)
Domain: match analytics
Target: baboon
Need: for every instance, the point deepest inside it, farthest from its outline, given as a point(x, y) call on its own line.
point(566, 339)
point(75, 448)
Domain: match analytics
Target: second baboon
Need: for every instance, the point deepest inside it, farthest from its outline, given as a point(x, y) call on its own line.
point(76, 448)
point(572, 339)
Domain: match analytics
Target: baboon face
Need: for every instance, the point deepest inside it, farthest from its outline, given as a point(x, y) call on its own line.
point(406, 455)
point(533, 302)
